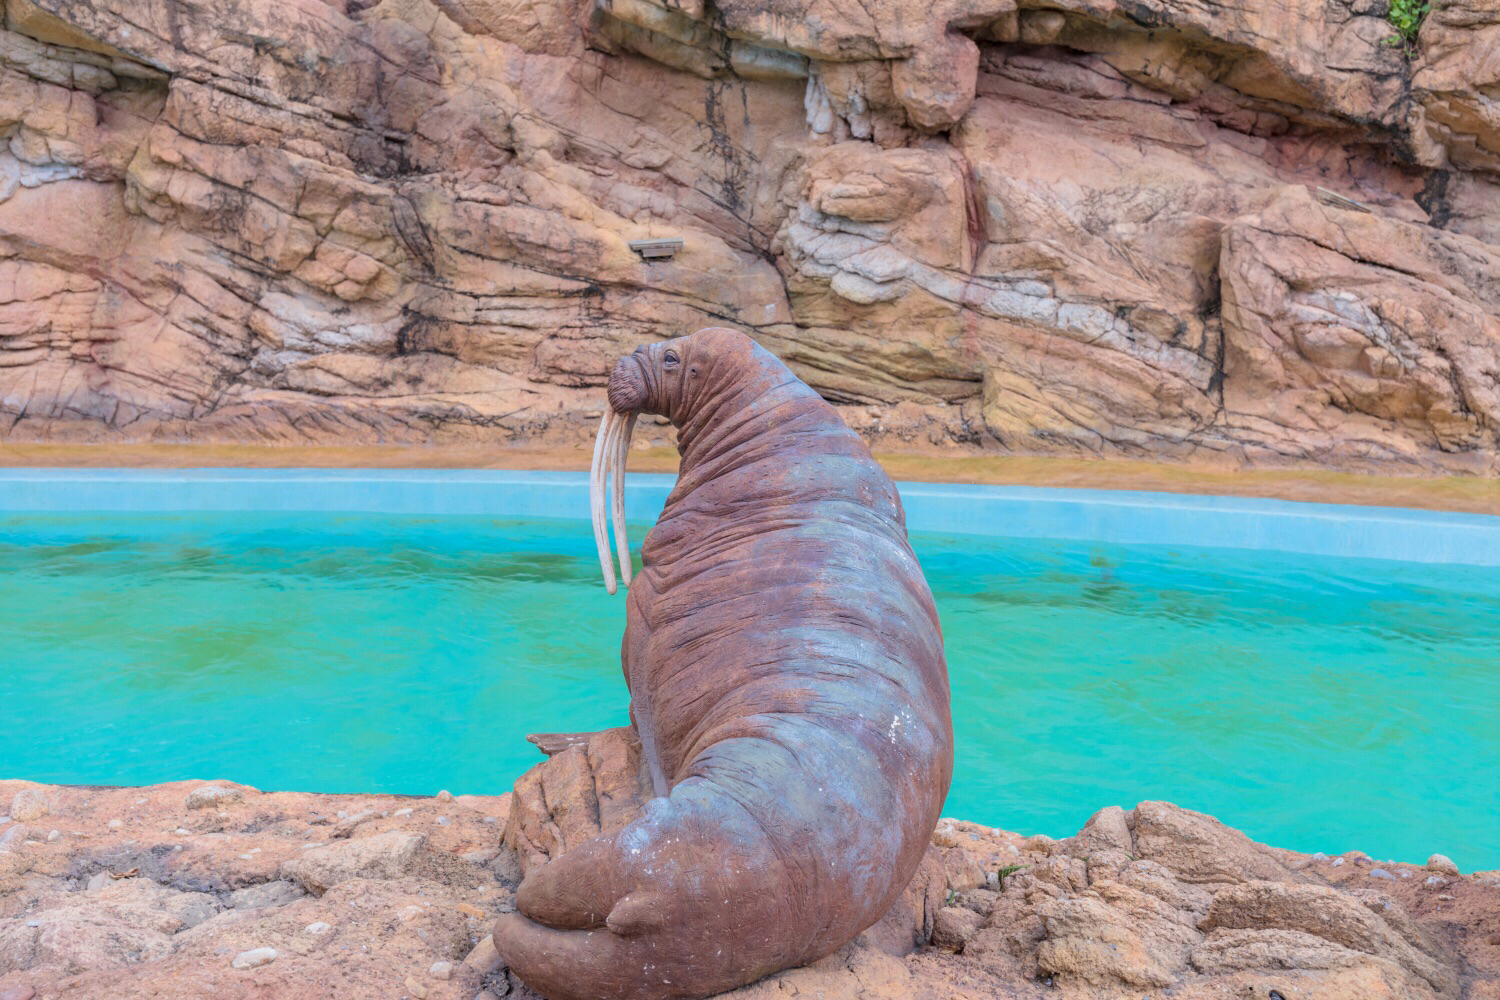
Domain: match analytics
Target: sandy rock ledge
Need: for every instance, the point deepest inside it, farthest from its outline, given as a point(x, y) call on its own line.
point(313, 896)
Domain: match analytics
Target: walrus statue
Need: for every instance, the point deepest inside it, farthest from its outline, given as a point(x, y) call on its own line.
point(787, 685)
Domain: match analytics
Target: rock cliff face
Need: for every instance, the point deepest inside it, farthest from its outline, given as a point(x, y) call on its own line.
point(1051, 226)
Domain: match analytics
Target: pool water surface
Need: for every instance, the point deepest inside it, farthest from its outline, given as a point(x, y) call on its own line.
point(1317, 703)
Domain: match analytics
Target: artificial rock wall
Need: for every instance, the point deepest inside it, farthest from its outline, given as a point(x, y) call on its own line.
point(1039, 226)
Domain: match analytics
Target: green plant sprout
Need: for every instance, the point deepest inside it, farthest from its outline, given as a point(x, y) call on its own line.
point(1406, 17)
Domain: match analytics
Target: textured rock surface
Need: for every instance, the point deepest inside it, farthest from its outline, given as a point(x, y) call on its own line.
point(171, 903)
point(1154, 898)
point(1139, 901)
point(1084, 226)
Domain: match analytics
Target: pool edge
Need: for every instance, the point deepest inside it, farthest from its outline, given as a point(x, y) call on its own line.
point(1128, 517)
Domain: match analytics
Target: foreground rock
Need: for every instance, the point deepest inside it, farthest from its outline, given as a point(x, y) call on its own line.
point(251, 895)
point(1076, 226)
point(313, 896)
point(1154, 898)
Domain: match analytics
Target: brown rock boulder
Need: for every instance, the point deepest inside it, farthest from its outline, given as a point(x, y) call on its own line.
point(379, 856)
point(1200, 849)
point(1457, 126)
point(1294, 922)
point(1372, 327)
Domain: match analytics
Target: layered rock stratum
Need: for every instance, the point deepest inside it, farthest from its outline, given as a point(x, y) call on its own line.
point(1042, 226)
point(183, 891)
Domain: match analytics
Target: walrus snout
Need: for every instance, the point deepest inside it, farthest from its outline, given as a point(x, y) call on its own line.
point(627, 385)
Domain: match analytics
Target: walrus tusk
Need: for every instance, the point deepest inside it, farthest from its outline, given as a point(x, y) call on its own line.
point(611, 449)
point(617, 509)
point(597, 473)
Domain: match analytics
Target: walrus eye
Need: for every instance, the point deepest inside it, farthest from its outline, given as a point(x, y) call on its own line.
point(670, 360)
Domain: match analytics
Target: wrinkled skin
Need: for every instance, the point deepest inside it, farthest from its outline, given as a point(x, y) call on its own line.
point(789, 689)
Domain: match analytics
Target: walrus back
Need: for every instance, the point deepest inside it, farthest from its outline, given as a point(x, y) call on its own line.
point(796, 659)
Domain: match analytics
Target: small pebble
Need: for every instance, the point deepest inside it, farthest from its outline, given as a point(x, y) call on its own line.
point(445, 796)
point(33, 923)
point(54, 836)
point(1404, 873)
point(484, 959)
point(402, 812)
point(99, 881)
point(1442, 864)
point(1445, 897)
point(444, 821)
point(1337, 862)
point(254, 958)
point(1381, 873)
point(1040, 843)
point(29, 804)
point(440, 970)
point(115, 824)
point(213, 796)
point(183, 831)
point(317, 927)
point(343, 814)
point(1320, 856)
point(140, 802)
point(416, 989)
point(491, 819)
point(1434, 880)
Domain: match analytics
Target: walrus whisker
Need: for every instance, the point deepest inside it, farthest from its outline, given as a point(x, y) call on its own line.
point(597, 472)
point(622, 453)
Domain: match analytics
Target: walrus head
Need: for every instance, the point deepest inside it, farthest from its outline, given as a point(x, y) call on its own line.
point(674, 379)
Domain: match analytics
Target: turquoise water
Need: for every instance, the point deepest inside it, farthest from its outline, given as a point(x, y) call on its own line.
point(1319, 704)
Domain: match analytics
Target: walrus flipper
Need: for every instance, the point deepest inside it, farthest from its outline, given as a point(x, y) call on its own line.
point(655, 911)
